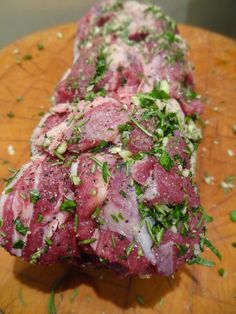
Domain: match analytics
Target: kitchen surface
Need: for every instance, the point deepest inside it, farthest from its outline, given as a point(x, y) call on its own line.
point(19, 18)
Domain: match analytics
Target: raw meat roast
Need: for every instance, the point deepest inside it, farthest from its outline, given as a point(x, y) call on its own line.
point(110, 181)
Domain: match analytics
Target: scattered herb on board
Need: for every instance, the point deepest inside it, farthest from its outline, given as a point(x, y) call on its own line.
point(201, 261)
point(233, 215)
point(19, 98)
point(51, 301)
point(211, 247)
point(27, 56)
point(40, 46)
point(73, 295)
point(41, 113)
point(221, 272)
point(21, 297)
point(228, 184)
point(10, 115)
point(140, 299)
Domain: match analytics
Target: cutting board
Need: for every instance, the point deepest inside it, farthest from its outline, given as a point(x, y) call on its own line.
point(29, 70)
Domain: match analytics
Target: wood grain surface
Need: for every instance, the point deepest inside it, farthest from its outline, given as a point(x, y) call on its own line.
point(25, 88)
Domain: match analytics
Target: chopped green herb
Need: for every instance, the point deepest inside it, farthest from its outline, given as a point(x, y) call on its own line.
point(34, 196)
point(138, 189)
point(129, 249)
point(75, 180)
point(113, 242)
point(210, 246)
point(22, 195)
point(20, 227)
point(122, 193)
point(105, 172)
point(19, 98)
point(40, 46)
point(120, 216)
point(48, 241)
point(74, 294)
point(125, 127)
point(140, 252)
point(141, 127)
point(11, 115)
point(28, 56)
point(19, 244)
point(100, 147)
point(21, 297)
point(87, 241)
point(1, 223)
point(96, 213)
point(41, 113)
point(58, 155)
point(76, 221)
point(182, 249)
point(221, 272)
point(40, 218)
point(51, 303)
point(140, 299)
point(201, 261)
point(7, 191)
point(233, 215)
point(165, 161)
point(115, 218)
point(68, 206)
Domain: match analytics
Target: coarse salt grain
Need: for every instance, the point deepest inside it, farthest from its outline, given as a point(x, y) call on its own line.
point(11, 150)
point(230, 152)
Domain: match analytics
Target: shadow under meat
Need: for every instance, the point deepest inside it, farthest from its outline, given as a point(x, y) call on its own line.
point(104, 283)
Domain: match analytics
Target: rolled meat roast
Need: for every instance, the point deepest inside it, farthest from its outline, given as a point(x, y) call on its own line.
point(110, 181)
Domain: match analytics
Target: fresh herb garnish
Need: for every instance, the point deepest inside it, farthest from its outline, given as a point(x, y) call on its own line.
point(141, 127)
point(74, 294)
point(201, 261)
point(39, 218)
point(68, 206)
point(7, 191)
point(129, 249)
point(40, 46)
point(11, 115)
point(19, 244)
point(99, 147)
point(140, 299)
point(87, 241)
point(165, 161)
point(76, 221)
point(96, 213)
point(27, 56)
point(1, 223)
point(122, 193)
point(210, 246)
point(48, 241)
point(34, 196)
point(20, 227)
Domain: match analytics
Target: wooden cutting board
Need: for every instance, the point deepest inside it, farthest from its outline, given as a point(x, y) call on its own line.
point(28, 74)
